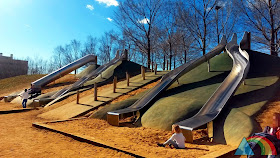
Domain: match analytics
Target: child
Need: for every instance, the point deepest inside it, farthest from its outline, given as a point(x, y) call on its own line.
point(177, 139)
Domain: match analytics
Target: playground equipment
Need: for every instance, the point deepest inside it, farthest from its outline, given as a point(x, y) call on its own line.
point(52, 99)
point(55, 97)
point(37, 85)
point(216, 102)
point(113, 117)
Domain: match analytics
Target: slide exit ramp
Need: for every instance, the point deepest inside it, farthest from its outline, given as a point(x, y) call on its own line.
point(216, 102)
point(84, 79)
point(113, 117)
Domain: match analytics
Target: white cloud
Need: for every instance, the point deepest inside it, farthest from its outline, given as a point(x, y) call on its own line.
point(28, 26)
point(109, 2)
point(90, 7)
point(109, 19)
point(143, 21)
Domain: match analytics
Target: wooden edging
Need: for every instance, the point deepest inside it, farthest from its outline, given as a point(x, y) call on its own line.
point(221, 153)
point(80, 138)
point(15, 111)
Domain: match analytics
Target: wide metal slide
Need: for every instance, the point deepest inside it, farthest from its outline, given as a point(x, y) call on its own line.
point(113, 117)
point(217, 101)
point(37, 85)
point(84, 79)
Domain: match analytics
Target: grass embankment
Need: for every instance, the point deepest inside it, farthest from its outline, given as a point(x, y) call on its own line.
point(183, 100)
point(238, 118)
point(180, 95)
point(18, 83)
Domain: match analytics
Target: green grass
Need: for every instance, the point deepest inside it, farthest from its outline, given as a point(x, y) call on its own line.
point(117, 70)
point(238, 116)
point(183, 100)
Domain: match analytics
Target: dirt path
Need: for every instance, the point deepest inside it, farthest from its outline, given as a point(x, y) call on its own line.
point(265, 117)
point(19, 139)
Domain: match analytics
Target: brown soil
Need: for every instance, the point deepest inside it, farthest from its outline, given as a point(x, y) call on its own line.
point(9, 106)
point(265, 117)
point(74, 98)
point(137, 91)
point(20, 139)
point(139, 140)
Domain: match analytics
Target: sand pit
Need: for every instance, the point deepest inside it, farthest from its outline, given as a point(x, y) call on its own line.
point(138, 140)
point(20, 139)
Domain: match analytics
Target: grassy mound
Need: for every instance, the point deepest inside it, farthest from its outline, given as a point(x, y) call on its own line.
point(119, 69)
point(183, 100)
point(18, 83)
point(262, 83)
point(87, 70)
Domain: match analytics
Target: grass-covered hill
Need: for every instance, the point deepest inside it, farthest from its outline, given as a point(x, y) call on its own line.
point(237, 119)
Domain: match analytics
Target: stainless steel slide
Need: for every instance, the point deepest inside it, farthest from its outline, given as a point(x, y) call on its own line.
point(38, 84)
point(114, 116)
point(214, 105)
point(86, 78)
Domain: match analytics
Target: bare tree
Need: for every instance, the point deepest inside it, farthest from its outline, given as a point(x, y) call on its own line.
point(263, 19)
point(90, 46)
point(197, 16)
point(137, 18)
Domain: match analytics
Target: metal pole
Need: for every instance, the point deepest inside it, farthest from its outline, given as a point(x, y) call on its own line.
point(95, 92)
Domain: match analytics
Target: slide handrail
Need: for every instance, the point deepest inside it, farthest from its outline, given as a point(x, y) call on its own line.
point(217, 101)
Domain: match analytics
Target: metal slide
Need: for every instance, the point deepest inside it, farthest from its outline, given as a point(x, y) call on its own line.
point(38, 84)
point(216, 102)
point(114, 116)
point(84, 79)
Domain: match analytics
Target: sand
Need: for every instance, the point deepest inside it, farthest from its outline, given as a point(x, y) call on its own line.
point(20, 139)
point(138, 140)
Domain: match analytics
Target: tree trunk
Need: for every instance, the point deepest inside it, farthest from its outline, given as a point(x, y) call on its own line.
point(163, 68)
point(170, 55)
point(174, 62)
point(185, 58)
point(272, 32)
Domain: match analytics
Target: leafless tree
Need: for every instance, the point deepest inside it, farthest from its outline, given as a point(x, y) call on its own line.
point(136, 18)
point(197, 16)
point(90, 46)
point(263, 20)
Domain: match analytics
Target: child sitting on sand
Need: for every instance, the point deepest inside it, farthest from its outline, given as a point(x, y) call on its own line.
point(177, 139)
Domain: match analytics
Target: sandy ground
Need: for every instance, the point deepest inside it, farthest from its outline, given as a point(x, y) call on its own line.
point(265, 117)
point(20, 139)
point(139, 140)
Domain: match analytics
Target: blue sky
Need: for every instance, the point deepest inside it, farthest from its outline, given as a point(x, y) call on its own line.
point(35, 27)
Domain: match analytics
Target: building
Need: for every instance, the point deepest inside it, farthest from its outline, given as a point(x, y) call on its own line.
point(10, 67)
